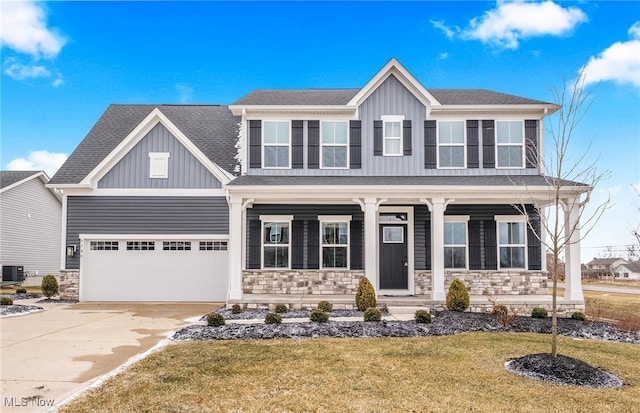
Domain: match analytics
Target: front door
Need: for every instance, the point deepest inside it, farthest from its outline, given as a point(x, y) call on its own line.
point(393, 257)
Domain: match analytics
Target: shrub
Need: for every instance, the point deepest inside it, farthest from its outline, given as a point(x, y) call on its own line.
point(372, 314)
point(578, 315)
point(272, 318)
point(629, 322)
point(281, 308)
point(49, 285)
point(539, 312)
point(366, 295)
point(21, 291)
point(236, 309)
point(319, 316)
point(6, 301)
point(422, 317)
point(215, 320)
point(457, 296)
point(325, 306)
point(500, 310)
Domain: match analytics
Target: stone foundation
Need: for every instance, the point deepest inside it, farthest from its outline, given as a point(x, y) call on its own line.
point(69, 284)
point(500, 282)
point(301, 282)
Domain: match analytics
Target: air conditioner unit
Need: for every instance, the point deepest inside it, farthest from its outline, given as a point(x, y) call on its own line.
point(13, 273)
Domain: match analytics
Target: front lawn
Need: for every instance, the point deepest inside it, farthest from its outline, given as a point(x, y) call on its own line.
point(463, 372)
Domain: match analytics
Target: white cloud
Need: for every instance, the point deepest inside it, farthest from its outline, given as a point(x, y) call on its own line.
point(58, 81)
point(443, 55)
point(20, 71)
point(43, 160)
point(620, 62)
point(24, 30)
point(512, 21)
point(185, 93)
point(440, 25)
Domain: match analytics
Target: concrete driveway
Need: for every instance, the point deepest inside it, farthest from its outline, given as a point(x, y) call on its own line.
point(50, 355)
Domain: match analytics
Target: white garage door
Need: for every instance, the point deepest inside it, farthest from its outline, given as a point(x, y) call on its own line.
point(154, 270)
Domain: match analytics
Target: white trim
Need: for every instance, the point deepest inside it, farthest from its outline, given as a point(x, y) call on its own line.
point(347, 145)
point(410, 242)
point(275, 219)
point(130, 141)
point(63, 234)
point(154, 237)
point(217, 192)
point(463, 144)
point(159, 164)
point(459, 219)
point(523, 145)
point(289, 145)
point(520, 219)
point(335, 219)
point(392, 119)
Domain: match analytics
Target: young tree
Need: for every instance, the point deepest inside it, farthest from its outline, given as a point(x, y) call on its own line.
point(571, 180)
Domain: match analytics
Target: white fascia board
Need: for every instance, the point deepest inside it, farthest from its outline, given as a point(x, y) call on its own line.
point(86, 191)
point(153, 237)
point(253, 111)
point(22, 181)
point(139, 132)
point(407, 79)
point(540, 110)
point(44, 178)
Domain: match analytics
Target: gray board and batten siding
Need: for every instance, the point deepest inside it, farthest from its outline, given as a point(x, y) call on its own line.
point(30, 217)
point(393, 98)
point(185, 171)
point(143, 215)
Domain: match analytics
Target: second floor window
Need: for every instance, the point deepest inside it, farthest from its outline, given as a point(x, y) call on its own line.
point(392, 135)
point(276, 141)
point(335, 143)
point(510, 144)
point(451, 145)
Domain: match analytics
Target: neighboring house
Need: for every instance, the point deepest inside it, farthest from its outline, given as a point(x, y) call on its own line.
point(629, 271)
point(30, 224)
point(294, 195)
point(613, 268)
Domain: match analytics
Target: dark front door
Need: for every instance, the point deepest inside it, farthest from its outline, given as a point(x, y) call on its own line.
point(393, 257)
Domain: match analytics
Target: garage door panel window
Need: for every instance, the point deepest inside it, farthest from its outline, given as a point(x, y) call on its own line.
point(213, 245)
point(103, 245)
point(141, 245)
point(176, 245)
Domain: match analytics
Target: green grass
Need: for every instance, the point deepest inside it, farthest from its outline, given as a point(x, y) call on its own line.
point(436, 374)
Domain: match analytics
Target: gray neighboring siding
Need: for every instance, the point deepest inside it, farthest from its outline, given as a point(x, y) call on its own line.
point(185, 171)
point(30, 225)
point(143, 215)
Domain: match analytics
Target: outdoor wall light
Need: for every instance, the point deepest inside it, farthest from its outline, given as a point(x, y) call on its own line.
point(71, 250)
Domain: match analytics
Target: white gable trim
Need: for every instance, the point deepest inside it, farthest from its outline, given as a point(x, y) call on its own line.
point(43, 177)
point(393, 67)
point(130, 141)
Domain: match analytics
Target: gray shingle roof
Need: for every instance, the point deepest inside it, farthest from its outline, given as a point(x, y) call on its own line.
point(298, 97)
point(8, 178)
point(490, 180)
point(212, 128)
point(480, 97)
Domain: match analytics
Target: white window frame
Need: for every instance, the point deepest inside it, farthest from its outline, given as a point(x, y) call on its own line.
point(522, 145)
point(392, 119)
point(159, 165)
point(140, 245)
point(463, 144)
point(460, 219)
point(335, 219)
point(104, 245)
point(280, 219)
point(524, 220)
point(346, 145)
point(264, 145)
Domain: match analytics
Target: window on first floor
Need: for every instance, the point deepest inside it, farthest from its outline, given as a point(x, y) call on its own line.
point(276, 241)
point(512, 242)
point(176, 245)
point(334, 241)
point(510, 144)
point(455, 242)
point(103, 245)
point(141, 245)
point(213, 245)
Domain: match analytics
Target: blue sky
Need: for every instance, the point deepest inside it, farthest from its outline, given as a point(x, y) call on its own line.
point(63, 63)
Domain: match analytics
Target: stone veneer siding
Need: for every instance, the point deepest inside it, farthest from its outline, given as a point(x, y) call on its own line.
point(297, 282)
point(500, 282)
point(69, 284)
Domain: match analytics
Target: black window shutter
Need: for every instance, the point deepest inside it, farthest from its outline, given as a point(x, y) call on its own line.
point(297, 244)
point(488, 144)
point(356, 249)
point(430, 145)
point(313, 127)
point(473, 156)
point(254, 245)
point(406, 137)
point(255, 144)
point(490, 245)
point(297, 128)
point(533, 243)
point(427, 228)
point(531, 139)
point(475, 245)
point(355, 144)
point(377, 138)
point(313, 241)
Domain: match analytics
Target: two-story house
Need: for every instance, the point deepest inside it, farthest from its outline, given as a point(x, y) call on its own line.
point(294, 195)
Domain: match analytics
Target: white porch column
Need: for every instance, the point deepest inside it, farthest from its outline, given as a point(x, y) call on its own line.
point(235, 249)
point(370, 242)
point(437, 249)
point(572, 266)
